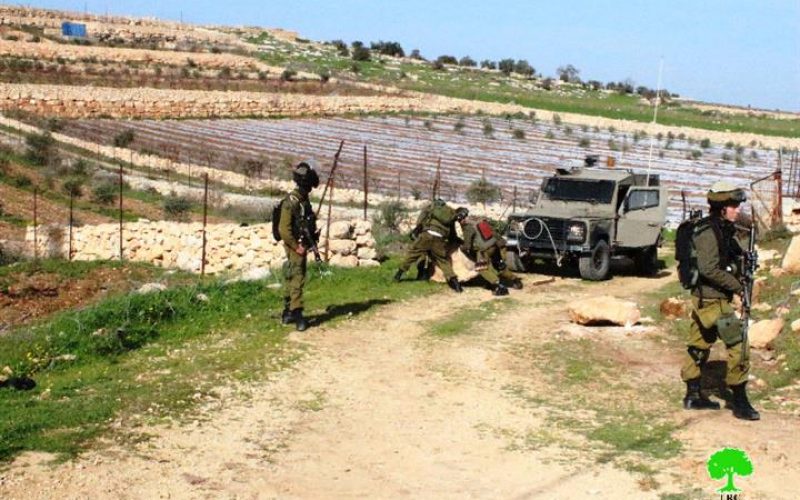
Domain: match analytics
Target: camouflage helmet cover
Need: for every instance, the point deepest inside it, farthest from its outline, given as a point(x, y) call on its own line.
point(305, 174)
point(461, 213)
point(725, 193)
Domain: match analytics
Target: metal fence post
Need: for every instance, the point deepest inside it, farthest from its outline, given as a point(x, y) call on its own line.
point(71, 220)
point(366, 189)
point(121, 255)
point(205, 222)
point(35, 224)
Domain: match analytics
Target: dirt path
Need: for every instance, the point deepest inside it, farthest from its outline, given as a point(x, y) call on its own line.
point(382, 408)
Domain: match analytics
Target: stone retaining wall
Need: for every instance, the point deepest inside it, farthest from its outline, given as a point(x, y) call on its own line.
point(229, 247)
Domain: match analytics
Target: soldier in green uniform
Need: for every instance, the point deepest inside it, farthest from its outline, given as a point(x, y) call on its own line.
point(297, 225)
point(488, 251)
point(434, 231)
point(717, 251)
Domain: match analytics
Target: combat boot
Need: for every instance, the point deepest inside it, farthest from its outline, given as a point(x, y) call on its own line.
point(741, 405)
point(300, 322)
point(516, 284)
point(500, 290)
point(455, 285)
point(398, 275)
point(286, 315)
point(695, 400)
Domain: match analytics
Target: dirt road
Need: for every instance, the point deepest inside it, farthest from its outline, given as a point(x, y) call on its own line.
point(516, 406)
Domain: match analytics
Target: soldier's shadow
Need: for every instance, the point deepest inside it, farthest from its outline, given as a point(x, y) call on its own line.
point(348, 309)
point(713, 381)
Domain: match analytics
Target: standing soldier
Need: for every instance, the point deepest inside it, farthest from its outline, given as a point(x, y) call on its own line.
point(434, 231)
point(488, 251)
point(713, 316)
point(298, 232)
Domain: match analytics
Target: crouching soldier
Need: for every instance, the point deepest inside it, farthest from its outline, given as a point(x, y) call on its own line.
point(434, 231)
point(297, 230)
point(713, 317)
point(488, 251)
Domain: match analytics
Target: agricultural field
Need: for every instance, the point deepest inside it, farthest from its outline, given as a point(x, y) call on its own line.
point(403, 151)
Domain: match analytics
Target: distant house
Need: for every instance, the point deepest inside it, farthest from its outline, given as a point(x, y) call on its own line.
point(74, 30)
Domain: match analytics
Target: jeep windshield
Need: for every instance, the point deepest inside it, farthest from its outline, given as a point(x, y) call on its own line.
point(593, 191)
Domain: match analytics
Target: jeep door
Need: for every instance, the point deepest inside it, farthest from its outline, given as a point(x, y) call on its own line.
point(641, 216)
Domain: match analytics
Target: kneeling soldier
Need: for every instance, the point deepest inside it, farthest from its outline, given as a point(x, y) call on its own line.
point(434, 230)
point(712, 314)
point(488, 251)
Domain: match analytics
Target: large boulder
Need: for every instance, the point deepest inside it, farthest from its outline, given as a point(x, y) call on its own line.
point(343, 260)
point(791, 260)
point(367, 253)
point(462, 266)
point(340, 230)
point(603, 310)
point(763, 333)
point(342, 247)
point(362, 227)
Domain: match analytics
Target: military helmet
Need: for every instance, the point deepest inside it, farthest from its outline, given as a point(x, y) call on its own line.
point(461, 213)
point(725, 193)
point(305, 174)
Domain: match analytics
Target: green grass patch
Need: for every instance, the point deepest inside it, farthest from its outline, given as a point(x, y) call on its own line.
point(633, 431)
point(136, 357)
point(465, 320)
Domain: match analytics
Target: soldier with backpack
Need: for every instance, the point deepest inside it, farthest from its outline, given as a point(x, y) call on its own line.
point(709, 257)
point(434, 231)
point(296, 227)
point(488, 250)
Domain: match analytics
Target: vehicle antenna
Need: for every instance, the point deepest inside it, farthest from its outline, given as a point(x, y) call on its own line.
point(655, 117)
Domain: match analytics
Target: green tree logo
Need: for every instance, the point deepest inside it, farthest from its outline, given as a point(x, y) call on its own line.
point(729, 462)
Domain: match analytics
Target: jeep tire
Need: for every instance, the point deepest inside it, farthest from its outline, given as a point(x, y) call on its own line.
point(595, 265)
point(646, 261)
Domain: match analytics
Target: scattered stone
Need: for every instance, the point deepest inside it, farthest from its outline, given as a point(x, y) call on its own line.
point(342, 247)
point(151, 288)
point(255, 274)
point(795, 326)
point(367, 253)
point(760, 383)
point(201, 297)
point(343, 260)
point(368, 263)
point(767, 355)
point(765, 255)
point(600, 310)
point(673, 307)
point(764, 332)
point(762, 307)
point(777, 272)
point(791, 260)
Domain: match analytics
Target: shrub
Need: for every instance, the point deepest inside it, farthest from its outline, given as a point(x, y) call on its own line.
point(446, 59)
point(467, 62)
point(524, 68)
point(482, 191)
point(549, 135)
point(124, 138)
point(730, 145)
point(288, 75)
point(389, 215)
point(360, 53)
point(695, 154)
point(73, 187)
point(459, 125)
point(341, 47)
point(506, 66)
point(568, 130)
point(585, 143)
point(518, 133)
point(105, 193)
point(556, 119)
point(41, 149)
point(705, 143)
point(488, 64)
point(177, 207)
point(388, 48)
point(488, 128)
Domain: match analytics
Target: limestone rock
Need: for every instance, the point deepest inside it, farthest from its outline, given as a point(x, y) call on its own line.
point(343, 260)
point(673, 307)
point(795, 326)
point(340, 230)
point(362, 227)
point(368, 263)
point(365, 240)
point(462, 266)
point(342, 247)
point(255, 274)
point(151, 288)
point(777, 272)
point(367, 253)
point(599, 310)
point(791, 260)
point(764, 332)
point(765, 255)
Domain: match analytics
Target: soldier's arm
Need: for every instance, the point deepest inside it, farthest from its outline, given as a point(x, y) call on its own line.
point(423, 214)
point(285, 226)
point(709, 266)
point(469, 235)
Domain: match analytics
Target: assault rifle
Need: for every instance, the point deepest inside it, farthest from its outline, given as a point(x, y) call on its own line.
point(749, 267)
point(308, 237)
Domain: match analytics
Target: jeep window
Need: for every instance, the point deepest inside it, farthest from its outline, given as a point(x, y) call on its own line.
point(596, 191)
point(639, 200)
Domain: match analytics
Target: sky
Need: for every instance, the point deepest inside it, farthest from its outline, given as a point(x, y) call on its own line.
point(743, 52)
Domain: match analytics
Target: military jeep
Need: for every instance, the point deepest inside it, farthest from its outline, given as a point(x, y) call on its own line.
point(587, 216)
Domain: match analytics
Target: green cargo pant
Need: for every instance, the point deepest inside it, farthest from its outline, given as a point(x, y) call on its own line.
point(716, 320)
point(490, 273)
point(294, 275)
point(428, 244)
